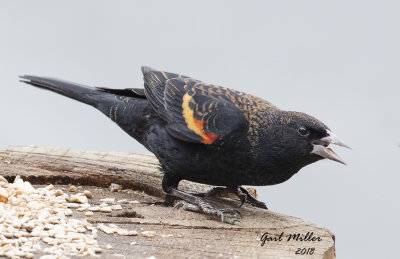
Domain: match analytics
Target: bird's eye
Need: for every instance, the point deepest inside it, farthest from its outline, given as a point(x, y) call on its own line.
point(303, 131)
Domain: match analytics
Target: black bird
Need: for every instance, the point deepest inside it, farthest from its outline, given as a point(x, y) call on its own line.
point(208, 134)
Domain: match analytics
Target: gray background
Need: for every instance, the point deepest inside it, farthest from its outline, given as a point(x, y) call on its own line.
point(335, 60)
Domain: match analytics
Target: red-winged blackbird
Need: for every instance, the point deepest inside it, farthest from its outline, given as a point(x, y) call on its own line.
point(208, 134)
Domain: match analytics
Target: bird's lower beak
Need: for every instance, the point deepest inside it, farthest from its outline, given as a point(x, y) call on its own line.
point(320, 147)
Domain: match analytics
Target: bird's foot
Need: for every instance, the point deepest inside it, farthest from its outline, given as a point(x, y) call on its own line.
point(207, 208)
point(193, 203)
point(239, 191)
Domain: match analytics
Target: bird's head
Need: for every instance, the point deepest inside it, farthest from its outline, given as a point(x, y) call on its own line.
point(309, 138)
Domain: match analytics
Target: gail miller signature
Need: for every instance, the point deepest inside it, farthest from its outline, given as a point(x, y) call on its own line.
point(297, 237)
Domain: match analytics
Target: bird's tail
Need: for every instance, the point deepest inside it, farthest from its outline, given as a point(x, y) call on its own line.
point(86, 94)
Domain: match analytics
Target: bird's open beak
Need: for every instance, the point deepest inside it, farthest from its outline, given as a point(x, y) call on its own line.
point(321, 147)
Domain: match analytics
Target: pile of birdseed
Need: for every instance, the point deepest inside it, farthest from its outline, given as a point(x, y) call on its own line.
point(36, 220)
point(29, 217)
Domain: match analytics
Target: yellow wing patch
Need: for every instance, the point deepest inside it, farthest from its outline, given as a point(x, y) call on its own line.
point(197, 126)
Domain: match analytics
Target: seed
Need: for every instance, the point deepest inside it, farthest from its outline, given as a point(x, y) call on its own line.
point(78, 198)
point(85, 205)
point(49, 187)
point(115, 187)
point(68, 212)
point(72, 188)
point(89, 214)
point(116, 207)
point(106, 229)
point(106, 209)
point(95, 208)
point(88, 194)
point(81, 229)
point(73, 205)
point(3, 195)
point(108, 200)
point(58, 193)
point(148, 233)
point(2, 179)
point(103, 205)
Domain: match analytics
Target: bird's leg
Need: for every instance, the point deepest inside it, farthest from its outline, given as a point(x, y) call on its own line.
point(193, 203)
point(239, 191)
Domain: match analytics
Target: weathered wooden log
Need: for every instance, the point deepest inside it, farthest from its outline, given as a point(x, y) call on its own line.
point(192, 235)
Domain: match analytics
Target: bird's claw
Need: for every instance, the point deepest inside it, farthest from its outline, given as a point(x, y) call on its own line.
point(178, 204)
point(186, 206)
point(243, 199)
point(232, 220)
point(231, 211)
point(259, 204)
point(251, 199)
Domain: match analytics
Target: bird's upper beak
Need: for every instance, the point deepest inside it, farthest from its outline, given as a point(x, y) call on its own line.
point(321, 147)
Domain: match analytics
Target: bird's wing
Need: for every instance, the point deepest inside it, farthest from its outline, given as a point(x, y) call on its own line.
point(194, 111)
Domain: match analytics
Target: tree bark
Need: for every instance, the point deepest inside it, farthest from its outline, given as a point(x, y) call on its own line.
point(193, 235)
